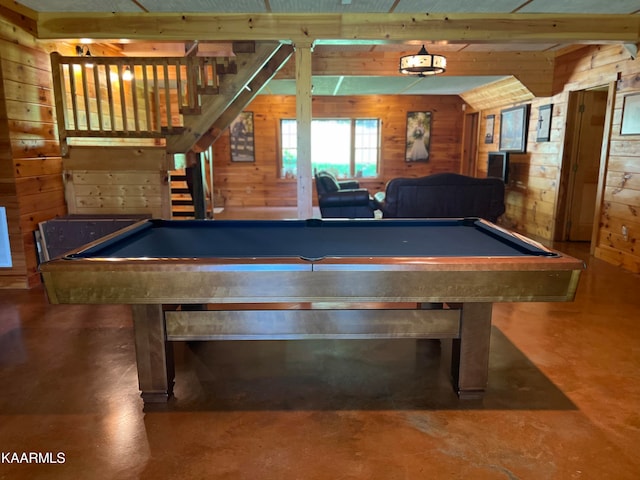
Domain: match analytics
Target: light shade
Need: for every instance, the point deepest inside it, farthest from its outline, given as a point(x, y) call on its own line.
point(422, 63)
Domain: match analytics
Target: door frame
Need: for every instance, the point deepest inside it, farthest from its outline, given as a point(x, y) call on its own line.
point(563, 208)
point(469, 153)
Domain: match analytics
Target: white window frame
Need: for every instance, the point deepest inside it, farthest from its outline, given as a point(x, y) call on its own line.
point(355, 150)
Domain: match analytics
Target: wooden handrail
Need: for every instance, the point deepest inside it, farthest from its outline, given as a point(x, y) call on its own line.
point(131, 96)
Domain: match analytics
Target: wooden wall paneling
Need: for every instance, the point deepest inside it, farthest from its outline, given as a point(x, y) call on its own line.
point(534, 176)
point(14, 276)
point(117, 158)
point(30, 148)
point(118, 180)
point(590, 67)
point(621, 197)
point(28, 56)
point(113, 193)
point(257, 183)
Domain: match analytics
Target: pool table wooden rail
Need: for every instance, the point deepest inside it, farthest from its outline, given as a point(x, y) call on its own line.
point(177, 281)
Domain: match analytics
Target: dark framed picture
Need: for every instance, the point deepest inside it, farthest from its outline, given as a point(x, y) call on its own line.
point(631, 115)
point(514, 123)
point(489, 126)
point(543, 131)
point(418, 136)
point(241, 138)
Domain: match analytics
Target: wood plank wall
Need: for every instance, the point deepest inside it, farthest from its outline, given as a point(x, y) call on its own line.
point(621, 195)
point(31, 184)
point(534, 176)
point(118, 180)
point(534, 193)
point(257, 183)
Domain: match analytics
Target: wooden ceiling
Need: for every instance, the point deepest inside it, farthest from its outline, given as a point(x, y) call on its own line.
point(353, 40)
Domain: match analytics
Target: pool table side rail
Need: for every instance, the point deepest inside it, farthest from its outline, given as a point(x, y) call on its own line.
point(100, 283)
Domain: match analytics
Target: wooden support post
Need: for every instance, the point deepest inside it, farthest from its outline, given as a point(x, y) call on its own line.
point(303, 118)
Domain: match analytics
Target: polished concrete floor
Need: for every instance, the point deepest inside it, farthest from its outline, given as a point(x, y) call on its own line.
point(563, 400)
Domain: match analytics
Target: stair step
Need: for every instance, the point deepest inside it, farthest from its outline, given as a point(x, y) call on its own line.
point(182, 214)
point(208, 90)
point(181, 202)
point(180, 190)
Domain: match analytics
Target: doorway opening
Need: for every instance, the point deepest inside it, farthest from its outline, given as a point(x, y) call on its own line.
point(580, 177)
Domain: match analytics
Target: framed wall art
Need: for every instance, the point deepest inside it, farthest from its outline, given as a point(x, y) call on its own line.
point(543, 132)
point(418, 136)
point(514, 123)
point(489, 126)
point(5, 247)
point(631, 115)
point(241, 138)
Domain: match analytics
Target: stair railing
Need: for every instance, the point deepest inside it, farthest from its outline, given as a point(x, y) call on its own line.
point(131, 97)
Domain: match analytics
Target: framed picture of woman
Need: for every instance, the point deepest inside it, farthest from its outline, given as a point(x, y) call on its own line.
point(418, 136)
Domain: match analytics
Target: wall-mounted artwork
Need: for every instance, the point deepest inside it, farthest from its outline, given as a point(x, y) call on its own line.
point(5, 247)
point(489, 126)
point(418, 136)
point(514, 123)
point(241, 138)
point(631, 115)
point(543, 131)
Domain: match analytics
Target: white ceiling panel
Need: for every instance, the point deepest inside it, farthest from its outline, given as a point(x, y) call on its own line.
point(448, 85)
point(582, 6)
point(458, 6)
point(204, 6)
point(331, 6)
point(336, 6)
point(369, 85)
point(81, 5)
point(509, 47)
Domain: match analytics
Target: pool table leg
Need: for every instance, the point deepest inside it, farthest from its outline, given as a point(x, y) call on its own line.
point(154, 354)
point(470, 355)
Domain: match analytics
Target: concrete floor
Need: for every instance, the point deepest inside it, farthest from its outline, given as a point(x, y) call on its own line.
point(563, 400)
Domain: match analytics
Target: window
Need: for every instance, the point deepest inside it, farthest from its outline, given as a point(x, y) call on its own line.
point(347, 147)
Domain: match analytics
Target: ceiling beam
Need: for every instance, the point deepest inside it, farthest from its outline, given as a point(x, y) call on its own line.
point(20, 18)
point(533, 69)
point(472, 28)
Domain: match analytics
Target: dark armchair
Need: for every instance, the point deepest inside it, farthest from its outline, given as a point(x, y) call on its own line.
point(342, 199)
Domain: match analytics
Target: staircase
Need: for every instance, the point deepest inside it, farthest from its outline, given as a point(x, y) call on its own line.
point(182, 103)
point(181, 202)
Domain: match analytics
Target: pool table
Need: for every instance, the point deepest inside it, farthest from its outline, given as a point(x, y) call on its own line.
point(220, 280)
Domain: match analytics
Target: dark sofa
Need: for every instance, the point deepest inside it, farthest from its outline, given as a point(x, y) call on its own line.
point(442, 195)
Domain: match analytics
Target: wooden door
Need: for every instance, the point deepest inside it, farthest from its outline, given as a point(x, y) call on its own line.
point(469, 144)
point(585, 163)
